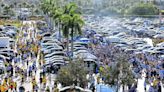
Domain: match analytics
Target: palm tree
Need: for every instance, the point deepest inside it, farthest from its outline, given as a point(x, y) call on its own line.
point(69, 11)
point(60, 15)
point(73, 23)
point(56, 14)
point(36, 11)
point(2, 5)
point(24, 4)
point(15, 4)
point(47, 6)
point(32, 8)
point(11, 6)
point(7, 10)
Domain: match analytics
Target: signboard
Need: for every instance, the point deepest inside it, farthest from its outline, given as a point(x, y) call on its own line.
point(4, 42)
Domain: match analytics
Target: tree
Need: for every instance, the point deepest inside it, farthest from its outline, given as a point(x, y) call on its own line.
point(32, 7)
point(47, 6)
point(2, 5)
point(24, 4)
point(118, 73)
point(6, 10)
point(56, 14)
point(60, 15)
point(110, 74)
point(73, 74)
point(72, 22)
point(126, 76)
point(15, 4)
point(11, 6)
point(20, 7)
point(143, 9)
point(37, 11)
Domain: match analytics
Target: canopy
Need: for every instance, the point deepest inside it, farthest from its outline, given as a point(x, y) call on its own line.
point(84, 40)
point(98, 35)
point(104, 88)
point(161, 28)
point(161, 73)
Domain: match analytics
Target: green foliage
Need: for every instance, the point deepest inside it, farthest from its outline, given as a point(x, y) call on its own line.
point(143, 9)
point(37, 11)
point(8, 11)
point(110, 74)
point(66, 17)
point(119, 73)
point(73, 73)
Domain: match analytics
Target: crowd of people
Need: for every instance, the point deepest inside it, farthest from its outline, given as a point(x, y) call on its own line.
point(24, 68)
point(151, 64)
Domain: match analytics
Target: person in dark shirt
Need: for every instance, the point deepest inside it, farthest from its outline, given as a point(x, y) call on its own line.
point(21, 89)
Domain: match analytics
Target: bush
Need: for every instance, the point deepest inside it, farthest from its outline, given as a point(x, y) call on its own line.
point(143, 9)
point(75, 72)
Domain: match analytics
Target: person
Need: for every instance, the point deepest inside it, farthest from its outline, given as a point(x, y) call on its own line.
point(3, 88)
point(12, 86)
point(30, 71)
point(41, 79)
point(22, 78)
point(15, 86)
point(21, 89)
point(133, 88)
point(55, 89)
point(36, 88)
point(159, 87)
point(12, 70)
point(33, 84)
point(151, 89)
point(47, 89)
point(44, 80)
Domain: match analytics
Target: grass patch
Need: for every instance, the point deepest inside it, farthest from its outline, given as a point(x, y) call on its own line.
point(36, 18)
point(11, 22)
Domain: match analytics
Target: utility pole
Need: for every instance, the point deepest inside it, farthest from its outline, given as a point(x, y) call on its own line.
point(160, 14)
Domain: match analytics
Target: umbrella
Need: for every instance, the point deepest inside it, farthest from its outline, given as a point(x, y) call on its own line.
point(161, 73)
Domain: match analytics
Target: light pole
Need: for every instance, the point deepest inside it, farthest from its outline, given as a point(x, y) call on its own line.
point(160, 14)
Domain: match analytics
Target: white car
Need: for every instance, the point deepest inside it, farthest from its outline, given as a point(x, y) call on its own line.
point(45, 45)
point(54, 57)
point(113, 39)
point(86, 56)
point(60, 53)
point(144, 47)
point(54, 61)
point(48, 34)
point(50, 40)
point(80, 51)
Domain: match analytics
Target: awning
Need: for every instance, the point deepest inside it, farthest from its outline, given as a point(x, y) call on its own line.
point(104, 88)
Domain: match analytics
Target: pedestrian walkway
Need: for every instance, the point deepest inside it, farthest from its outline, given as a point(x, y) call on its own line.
point(26, 68)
